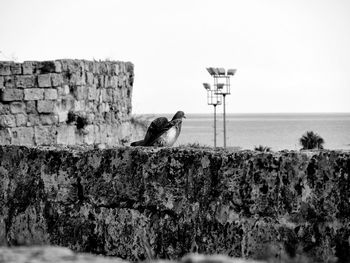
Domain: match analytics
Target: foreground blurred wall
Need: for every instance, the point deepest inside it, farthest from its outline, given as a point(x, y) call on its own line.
point(134, 202)
point(66, 102)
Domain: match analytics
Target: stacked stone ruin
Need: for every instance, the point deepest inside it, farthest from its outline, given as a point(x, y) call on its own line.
point(65, 102)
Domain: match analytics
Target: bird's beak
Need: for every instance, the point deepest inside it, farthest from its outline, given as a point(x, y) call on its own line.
point(184, 116)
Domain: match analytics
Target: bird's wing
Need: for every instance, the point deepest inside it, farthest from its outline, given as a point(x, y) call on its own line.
point(156, 128)
point(177, 123)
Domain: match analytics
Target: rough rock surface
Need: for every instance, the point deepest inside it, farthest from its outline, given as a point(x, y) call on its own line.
point(50, 255)
point(167, 202)
point(64, 255)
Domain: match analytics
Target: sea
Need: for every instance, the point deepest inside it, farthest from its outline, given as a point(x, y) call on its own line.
point(278, 131)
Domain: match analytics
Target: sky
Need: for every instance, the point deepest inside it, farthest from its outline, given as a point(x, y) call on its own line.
point(290, 55)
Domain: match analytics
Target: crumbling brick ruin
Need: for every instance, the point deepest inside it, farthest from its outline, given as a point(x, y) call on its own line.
point(65, 102)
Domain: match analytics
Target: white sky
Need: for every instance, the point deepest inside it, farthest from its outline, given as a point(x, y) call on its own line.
point(290, 55)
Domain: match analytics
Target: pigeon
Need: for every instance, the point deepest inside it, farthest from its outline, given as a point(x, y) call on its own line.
point(162, 132)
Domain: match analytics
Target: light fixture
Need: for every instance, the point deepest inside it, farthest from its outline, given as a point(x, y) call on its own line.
point(211, 71)
point(221, 71)
point(206, 86)
point(220, 86)
point(231, 72)
point(216, 71)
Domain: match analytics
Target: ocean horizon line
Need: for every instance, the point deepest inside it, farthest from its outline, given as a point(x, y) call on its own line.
point(249, 113)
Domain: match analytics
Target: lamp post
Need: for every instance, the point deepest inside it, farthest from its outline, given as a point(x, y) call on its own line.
point(222, 88)
point(214, 99)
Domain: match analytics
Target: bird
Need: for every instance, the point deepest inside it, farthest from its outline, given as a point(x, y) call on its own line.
point(161, 132)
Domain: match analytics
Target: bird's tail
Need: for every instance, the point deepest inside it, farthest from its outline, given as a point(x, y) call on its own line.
point(137, 143)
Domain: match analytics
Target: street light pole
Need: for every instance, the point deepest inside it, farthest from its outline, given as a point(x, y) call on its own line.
point(224, 96)
point(214, 125)
point(212, 99)
point(222, 88)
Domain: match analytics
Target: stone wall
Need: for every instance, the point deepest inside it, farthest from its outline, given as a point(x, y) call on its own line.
point(65, 102)
point(46, 254)
point(167, 202)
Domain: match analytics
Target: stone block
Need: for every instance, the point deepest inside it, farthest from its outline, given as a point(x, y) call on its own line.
point(89, 136)
point(63, 91)
point(24, 81)
point(103, 95)
point(31, 106)
point(96, 81)
point(5, 68)
point(33, 94)
point(115, 69)
point(104, 107)
point(66, 135)
point(2, 80)
point(60, 92)
point(77, 78)
point(56, 79)
point(7, 121)
point(58, 66)
point(18, 107)
point(4, 109)
point(91, 106)
point(28, 68)
point(104, 68)
point(103, 133)
point(50, 94)
point(113, 82)
point(79, 105)
point(44, 80)
point(89, 78)
point(92, 93)
point(21, 120)
point(72, 65)
point(9, 82)
point(46, 106)
point(45, 135)
point(90, 118)
point(48, 119)
point(33, 120)
point(5, 136)
point(88, 66)
point(23, 136)
point(116, 95)
point(16, 68)
point(96, 68)
point(62, 115)
point(12, 94)
point(66, 89)
point(109, 93)
point(80, 92)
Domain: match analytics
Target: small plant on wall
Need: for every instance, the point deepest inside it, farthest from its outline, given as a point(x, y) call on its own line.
point(79, 119)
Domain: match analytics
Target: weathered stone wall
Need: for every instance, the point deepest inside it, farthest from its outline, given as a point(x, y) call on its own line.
point(46, 254)
point(134, 202)
point(65, 102)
